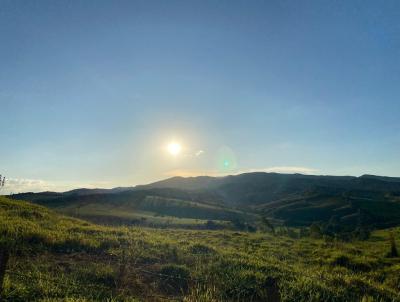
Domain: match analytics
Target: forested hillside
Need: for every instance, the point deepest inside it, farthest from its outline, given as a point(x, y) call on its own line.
point(288, 199)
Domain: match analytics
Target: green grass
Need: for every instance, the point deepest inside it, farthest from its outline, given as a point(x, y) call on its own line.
point(58, 258)
point(144, 210)
point(121, 216)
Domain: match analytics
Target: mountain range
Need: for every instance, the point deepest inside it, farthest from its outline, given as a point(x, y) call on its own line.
point(290, 199)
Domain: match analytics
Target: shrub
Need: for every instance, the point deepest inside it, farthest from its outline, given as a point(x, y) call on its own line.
point(349, 263)
point(74, 245)
point(315, 231)
point(174, 279)
point(211, 225)
point(201, 249)
point(393, 248)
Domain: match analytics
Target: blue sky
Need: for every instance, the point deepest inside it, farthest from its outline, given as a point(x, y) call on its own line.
point(92, 91)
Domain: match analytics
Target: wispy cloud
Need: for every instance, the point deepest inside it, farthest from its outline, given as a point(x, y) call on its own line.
point(284, 169)
point(20, 185)
point(199, 153)
point(15, 185)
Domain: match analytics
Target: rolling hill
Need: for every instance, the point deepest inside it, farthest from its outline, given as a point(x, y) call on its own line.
point(292, 199)
point(58, 258)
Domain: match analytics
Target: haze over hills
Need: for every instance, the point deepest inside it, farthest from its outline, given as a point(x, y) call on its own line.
point(291, 199)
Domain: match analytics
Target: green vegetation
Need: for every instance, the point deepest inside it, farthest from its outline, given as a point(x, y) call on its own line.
point(290, 199)
point(150, 208)
point(57, 258)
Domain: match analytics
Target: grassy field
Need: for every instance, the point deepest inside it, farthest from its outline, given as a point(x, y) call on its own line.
point(111, 215)
point(141, 208)
point(58, 258)
point(154, 211)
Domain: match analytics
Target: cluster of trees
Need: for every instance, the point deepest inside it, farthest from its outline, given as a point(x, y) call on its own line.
point(345, 233)
point(241, 225)
point(335, 228)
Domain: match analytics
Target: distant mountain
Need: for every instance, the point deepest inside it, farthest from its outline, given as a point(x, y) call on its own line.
point(259, 188)
point(184, 183)
point(293, 199)
point(383, 178)
point(84, 191)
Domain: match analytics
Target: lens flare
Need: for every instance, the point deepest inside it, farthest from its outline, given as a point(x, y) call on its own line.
point(226, 160)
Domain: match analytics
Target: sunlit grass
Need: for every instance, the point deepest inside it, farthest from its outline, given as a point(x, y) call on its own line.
point(55, 258)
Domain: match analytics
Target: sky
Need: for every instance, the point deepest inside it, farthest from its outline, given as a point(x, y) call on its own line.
point(92, 92)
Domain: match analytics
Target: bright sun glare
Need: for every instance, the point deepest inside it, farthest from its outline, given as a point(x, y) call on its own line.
point(174, 149)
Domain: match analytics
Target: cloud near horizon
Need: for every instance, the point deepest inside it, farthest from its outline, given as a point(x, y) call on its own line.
point(15, 185)
point(285, 169)
point(21, 185)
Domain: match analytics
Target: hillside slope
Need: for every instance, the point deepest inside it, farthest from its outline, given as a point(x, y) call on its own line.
point(153, 207)
point(293, 199)
point(56, 258)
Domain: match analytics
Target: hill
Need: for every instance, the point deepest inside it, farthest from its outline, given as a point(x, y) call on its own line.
point(151, 207)
point(58, 258)
point(292, 199)
point(259, 188)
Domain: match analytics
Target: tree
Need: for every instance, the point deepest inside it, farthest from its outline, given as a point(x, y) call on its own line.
point(238, 224)
point(393, 248)
point(211, 225)
point(292, 233)
point(362, 232)
point(304, 232)
point(267, 224)
point(315, 231)
point(333, 226)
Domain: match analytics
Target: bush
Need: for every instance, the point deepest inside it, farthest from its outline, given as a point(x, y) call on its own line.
point(393, 248)
point(175, 279)
point(201, 249)
point(211, 225)
point(315, 231)
point(349, 263)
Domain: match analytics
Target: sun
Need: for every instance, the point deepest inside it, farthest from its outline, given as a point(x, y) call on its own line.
point(174, 149)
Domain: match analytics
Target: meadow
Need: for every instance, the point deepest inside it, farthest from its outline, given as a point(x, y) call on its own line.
point(58, 258)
